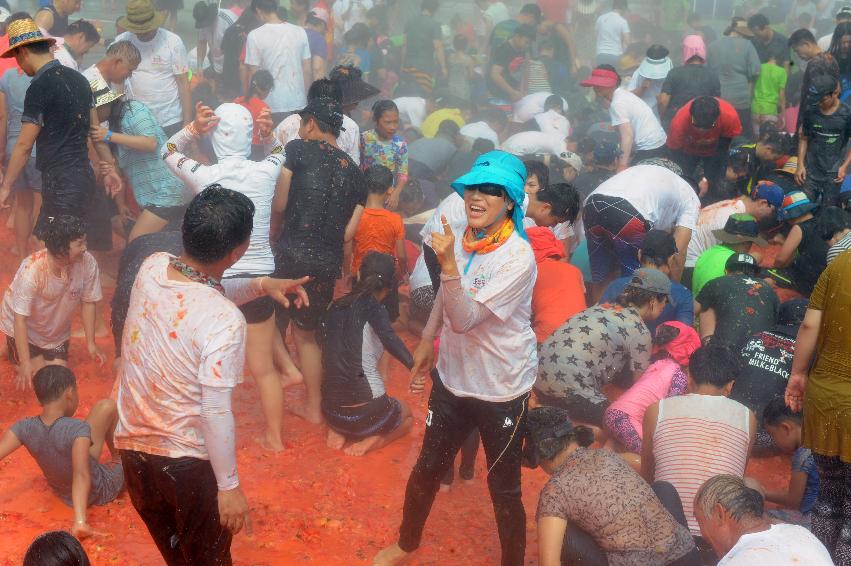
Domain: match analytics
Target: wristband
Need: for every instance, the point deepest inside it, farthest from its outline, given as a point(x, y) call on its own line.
point(444, 277)
point(108, 136)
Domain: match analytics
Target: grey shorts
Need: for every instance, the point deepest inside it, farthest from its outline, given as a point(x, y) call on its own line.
point(30, 178)
point(111, 485)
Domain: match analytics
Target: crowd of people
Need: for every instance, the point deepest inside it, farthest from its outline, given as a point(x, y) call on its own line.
point(624, 259)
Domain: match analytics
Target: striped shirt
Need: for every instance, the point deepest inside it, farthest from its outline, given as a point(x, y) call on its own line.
point(839, 247)
point(698, 437)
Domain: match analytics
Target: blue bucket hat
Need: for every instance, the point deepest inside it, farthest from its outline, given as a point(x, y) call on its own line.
point(503, 169)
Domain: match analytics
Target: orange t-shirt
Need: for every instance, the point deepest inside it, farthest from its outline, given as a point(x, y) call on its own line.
point(255, 106)
point(378, 231)
point(559, 294)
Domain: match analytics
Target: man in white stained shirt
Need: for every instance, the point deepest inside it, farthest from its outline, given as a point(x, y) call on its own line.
point(282, 49)
point(641, 135)
point(612, 35)
point(211, 23)
point(180, 363)
point(121, 59)
point(731, 518)
point(161, 81)
point(79, 38)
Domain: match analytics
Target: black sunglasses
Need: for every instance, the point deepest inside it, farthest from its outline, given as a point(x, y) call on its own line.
point(488, 189)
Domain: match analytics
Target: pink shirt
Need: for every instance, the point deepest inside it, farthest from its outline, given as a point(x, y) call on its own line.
point(651, 387)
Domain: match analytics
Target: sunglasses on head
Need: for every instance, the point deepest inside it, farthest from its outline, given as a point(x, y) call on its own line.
point(488, 189)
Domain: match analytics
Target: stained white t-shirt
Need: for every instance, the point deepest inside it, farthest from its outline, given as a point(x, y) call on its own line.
point(534, 143)
point(281, 49)
point(348, 140)
point(661, 196)
point(712, 217)
point(649, 95)
point(781, 545)
point(153, 82)
point(49, 302)
point(527, 107)
point(356, 9)
point(498, 359)
point(551, 122)
point(481, 130)
point(611, 28)
point(646, 130)
point(497, 12)
point(214, 34)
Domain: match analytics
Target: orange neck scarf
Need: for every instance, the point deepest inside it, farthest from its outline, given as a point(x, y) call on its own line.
point(485, 245)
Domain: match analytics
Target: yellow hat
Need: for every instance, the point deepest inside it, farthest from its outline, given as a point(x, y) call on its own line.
point(23, 32)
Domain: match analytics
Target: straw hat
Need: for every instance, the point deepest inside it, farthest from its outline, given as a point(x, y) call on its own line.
point(141, 17)
point(23, 32)
point(103, 93)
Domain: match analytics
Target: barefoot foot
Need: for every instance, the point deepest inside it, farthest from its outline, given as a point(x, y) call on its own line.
point(269, 444)
point(362, 447)
point(335, 440)
point(390, 556)
point(303, 412)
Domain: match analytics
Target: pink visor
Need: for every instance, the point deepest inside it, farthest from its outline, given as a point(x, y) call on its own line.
point(602, 78)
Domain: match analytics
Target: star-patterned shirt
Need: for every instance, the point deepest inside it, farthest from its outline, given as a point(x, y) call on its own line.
point(591, 349)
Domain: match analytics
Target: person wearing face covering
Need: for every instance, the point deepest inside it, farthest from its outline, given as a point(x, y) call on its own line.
point(230, 130)
point(487, 361)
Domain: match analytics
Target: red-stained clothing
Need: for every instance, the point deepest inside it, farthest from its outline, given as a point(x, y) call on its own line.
point(10, 62)
point(559, 293)
point(378, 231)
point(683, 136)
point(255, 106)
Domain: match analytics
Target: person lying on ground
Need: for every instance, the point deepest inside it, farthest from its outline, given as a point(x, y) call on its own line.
point(67, 449)
point(39, 305)
point(355, 403)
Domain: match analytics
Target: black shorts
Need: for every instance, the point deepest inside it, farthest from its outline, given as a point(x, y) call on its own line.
point(379, 416)
point(579, 408)
point(58, 353)
point(260, 309)
point(320, 293)
point(171, 214)
point(172, 129)
point(65, 191)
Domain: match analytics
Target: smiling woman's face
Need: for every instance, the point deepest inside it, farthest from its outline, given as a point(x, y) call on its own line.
point(484, 207)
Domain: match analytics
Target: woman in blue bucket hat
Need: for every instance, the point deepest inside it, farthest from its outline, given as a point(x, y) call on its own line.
point(487, 361)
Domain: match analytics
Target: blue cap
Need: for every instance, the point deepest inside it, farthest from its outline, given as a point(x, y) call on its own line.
point(503, 169)
point(766, 190)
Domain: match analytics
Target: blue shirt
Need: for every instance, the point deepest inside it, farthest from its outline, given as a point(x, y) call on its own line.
point(803, 461)
point(682, 308)
point(153, 184)
point(14, 85)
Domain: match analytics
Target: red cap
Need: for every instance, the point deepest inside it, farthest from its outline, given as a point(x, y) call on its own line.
point(602, 78)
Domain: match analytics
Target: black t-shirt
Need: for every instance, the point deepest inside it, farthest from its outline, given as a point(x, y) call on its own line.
point(826, 136)
point(743, 306)
point(778, 44)
point(508, 58)
point(687, 82)
point(811, 258)
point(59, 100)
point(132, 258)
point(326, 187)
point(766, 364)
point(821, 64)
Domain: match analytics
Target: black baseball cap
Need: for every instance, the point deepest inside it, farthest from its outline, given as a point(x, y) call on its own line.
point(658, 244)
point(326, 110)
point(821, 86)
point(740, 260)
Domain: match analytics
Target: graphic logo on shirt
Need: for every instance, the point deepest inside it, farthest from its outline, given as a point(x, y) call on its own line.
point(156, 60)
point(428, 418)
point(169, 149)
point(181, 161)
point(277, 149)
point(195, 167)
point(507, 423)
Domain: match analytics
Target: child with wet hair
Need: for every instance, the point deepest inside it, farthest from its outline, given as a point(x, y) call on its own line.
point(56, 548)
point(39, 305)
point(68, 449)
point(356, 331)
